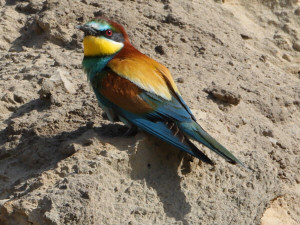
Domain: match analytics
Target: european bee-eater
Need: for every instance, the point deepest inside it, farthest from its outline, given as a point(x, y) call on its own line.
point(139, 91)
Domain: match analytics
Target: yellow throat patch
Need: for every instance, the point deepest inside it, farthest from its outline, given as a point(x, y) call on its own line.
point(94, 46)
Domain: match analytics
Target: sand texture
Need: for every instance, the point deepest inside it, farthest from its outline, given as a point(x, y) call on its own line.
point(237, 65)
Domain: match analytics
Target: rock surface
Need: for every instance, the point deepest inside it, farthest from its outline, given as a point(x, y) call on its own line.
point(62, 162)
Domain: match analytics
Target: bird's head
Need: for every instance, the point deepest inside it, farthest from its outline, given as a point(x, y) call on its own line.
point(103, 37)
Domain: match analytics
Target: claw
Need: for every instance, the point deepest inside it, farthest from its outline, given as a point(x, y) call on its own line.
point(132, 131)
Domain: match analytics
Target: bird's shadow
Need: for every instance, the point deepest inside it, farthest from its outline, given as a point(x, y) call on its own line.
point(159, 164)
point(153, 161)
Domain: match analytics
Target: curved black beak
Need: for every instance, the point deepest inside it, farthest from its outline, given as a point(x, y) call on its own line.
point(88, 30)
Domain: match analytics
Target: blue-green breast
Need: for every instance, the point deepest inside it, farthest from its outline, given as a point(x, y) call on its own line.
point(94, 65)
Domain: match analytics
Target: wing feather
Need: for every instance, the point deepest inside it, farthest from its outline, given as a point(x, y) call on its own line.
point(143, 71)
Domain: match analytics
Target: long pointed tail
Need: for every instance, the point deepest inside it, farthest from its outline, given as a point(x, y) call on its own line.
point(196, 132)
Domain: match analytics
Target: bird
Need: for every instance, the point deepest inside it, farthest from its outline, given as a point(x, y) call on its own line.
point(140, 92)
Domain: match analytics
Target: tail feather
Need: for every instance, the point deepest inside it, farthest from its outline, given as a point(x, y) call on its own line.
point(196, 132)
point(184, 140)
point(200, 155)
point(168, 132)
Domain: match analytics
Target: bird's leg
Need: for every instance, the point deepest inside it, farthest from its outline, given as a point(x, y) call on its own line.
point(109, 113)
point(132, 131)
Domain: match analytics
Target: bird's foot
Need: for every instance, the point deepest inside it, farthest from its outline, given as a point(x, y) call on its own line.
point(132, 131)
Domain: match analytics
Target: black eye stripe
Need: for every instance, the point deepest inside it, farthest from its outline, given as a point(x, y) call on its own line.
point(118, 37)
point(101, 33)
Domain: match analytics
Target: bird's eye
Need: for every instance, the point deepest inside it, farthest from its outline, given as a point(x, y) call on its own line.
point(108, 33)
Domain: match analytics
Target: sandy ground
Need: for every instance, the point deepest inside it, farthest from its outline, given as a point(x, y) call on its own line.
point(237, 64)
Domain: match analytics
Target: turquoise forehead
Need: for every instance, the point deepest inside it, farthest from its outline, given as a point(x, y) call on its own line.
point(101, 25)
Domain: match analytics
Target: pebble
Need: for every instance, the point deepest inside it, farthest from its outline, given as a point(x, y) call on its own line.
point(224, 95)
point(296, 46)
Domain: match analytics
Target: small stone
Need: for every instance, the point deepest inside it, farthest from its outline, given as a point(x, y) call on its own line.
point(273, 141)
point(297, 179)
point(180, 80)
point(267, 132)
point(87, 142)
point(61, 78)
point(12, 89)
point(63, 186)
point(296, 46)
point(280, 145)
point(69, 149)
point(159, 49)
point(90, 125)
point(84, 194)
point(104, 153)
point(224, 95)
point(263, 58)
point(46, 91)
point(171, 19)
point(245, 37)
point(55, 84)
point(43, 24)
point(98, 13)
point(25, 69)
point(297, 11)
point(282, 165)
point(286, 57)
point(244, 121)
point(183, 40)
